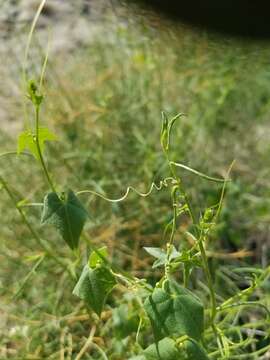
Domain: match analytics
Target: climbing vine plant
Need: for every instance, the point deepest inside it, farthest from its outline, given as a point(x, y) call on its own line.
point(178, 323)
point(182, 325)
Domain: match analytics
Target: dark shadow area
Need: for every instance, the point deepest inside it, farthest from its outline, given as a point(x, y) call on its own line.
point(235, 18)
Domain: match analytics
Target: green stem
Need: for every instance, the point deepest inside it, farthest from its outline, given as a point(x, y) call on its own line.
point(245, 303)
point(179, 187)
point(170, 242)
point(174, 199)
point(211, 289)
point(252, 355)
point(209, 279)
point(183, 193)
point(198, 173)
point(246, 292)
point(40, 152)
point(201, 247)
point(7, 153)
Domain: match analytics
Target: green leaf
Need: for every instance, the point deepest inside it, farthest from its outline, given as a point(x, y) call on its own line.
point(193, 350)
point(94, 286)
point(165, 349)
point(161, 255)
point(95, 257)
point(27, 141)
point(168, 349)
point(125, 320)
point(155, 252)
point(46, 135)
point(68, 216)
point(175, 311)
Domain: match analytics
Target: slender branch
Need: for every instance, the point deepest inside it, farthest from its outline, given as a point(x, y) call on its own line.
point(209, 279)
point(8, 153)
point(244, 303)
point(40, 152)
point(198, 173)
point(180, 187)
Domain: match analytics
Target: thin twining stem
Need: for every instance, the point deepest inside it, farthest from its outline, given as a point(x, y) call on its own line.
point(200, 174)
point(154, 186)
point(7, 153)
point(244, 303)
point(162, 184)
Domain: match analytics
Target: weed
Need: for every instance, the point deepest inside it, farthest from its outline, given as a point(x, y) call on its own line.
point(179, 310)
point(182, 325)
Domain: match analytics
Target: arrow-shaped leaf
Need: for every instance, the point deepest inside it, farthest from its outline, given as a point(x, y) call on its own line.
point(175, 311)
point(161, 255)
point(68, 215)
point(27, 141)
point(94, 286)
